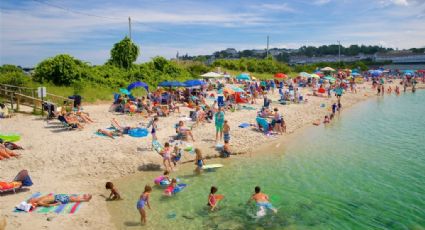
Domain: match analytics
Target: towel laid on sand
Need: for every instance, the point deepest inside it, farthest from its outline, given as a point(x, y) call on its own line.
point(69, 208)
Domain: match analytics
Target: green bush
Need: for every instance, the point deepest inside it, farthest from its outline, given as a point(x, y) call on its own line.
point(14, 78)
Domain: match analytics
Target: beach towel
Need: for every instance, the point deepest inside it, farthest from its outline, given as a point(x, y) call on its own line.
point(244, 125)
point(69, 208)
point(248, 107)
point(156, 146)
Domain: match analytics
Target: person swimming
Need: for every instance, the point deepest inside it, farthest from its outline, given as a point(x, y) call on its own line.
point(261, 200)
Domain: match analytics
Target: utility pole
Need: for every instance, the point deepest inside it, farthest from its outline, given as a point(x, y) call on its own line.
point(339, 52)
point(267, 51)
point(129, 27)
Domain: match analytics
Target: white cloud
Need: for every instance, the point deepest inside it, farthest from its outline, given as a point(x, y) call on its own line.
point(321, 2)
point(284, 7)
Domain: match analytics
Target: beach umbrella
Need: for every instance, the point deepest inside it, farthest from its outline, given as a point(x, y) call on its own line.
point(314, 75)
point(421, 71)
point(171, 84)
point(408, 71)
point(137, 84)
point(192, 83)
point(304, 74)
point(280, 75)
point(237, 89)
point(229, 90)
point(243, 76)
point(211, 75)
point(329, 78)
point(355, 74)
point(327, 69)
point(124, 91)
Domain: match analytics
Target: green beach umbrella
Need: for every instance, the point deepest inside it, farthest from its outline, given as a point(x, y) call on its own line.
point(304, 74)
point(314, 75)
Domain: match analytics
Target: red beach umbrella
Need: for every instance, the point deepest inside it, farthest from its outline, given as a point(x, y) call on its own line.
point(280, 75)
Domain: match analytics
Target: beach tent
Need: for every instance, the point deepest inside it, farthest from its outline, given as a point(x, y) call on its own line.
point(171, 84)
point(280, 76)
point(327, 69)
point(137, 84)
point(304, 74)
point(212, 75)
point(243, 76)
point(193, 83)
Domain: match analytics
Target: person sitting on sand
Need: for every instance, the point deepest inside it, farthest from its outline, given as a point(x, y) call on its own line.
point(5, 153)
point(184, 130)
point(58, 199)
point(326, 120)
point(72, 120)
point(110, 134)
point(261, 199)
point(114, 192)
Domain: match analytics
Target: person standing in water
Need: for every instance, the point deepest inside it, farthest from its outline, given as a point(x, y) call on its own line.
point(144, 201)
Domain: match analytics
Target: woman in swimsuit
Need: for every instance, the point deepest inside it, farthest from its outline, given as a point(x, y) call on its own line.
point(144, 200)
point(154, 128)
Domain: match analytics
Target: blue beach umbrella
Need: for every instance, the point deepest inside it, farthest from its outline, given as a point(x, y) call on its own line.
point(243, 76)
point(171, 84)
point(193, 83)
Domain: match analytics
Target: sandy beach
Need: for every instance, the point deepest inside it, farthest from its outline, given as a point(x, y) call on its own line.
point(79, 161)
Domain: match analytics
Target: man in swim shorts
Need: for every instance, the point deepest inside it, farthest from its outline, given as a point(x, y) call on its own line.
point(54, 200)
point(262, 200)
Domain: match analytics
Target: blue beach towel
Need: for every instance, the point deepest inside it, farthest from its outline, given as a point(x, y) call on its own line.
point(244, 125)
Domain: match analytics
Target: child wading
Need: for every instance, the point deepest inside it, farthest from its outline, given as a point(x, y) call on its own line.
point(144, 201)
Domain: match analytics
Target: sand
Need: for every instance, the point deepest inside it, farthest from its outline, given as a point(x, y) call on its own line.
point(78, 162)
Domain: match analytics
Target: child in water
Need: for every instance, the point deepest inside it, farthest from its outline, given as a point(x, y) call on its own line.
point(199, 161)
point(261, 200)
point(114, 192)
point(213, 198)
point(169, 190)
point(163, 177)
point(144, 200)
point(166, 155)
point(226, 149)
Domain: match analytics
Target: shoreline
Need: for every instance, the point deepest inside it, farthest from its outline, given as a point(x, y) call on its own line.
point(106, 159)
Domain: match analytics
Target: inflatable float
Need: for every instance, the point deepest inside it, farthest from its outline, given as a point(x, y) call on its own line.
point(212, 167)
point(176, 189)
point(10, 137)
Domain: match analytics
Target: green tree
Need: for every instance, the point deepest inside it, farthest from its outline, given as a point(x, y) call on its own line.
point(14, 78)
point(62, 69)
point(124, 53)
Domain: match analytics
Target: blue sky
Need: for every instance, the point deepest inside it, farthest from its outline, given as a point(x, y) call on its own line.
point(32, 30)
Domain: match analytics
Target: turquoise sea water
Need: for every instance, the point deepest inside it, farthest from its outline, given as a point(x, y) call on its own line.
point(366, 170)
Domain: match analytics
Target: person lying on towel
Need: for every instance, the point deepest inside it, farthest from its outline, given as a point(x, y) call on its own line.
point(58, 199)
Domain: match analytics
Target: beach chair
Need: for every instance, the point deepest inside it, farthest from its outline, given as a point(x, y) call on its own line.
point(157, 146)
point(262, 123)
point(21, 180)
point(65, 123)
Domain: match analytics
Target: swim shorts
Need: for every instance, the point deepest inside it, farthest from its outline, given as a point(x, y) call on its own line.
point(226, 136)
point(219, 127)
point(265, 204)
point(62, 198)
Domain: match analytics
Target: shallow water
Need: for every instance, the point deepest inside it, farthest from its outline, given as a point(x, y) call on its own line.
point(364, 171)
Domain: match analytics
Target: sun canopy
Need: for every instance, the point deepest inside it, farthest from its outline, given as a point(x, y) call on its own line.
point(314, 75)
point(211, 75)
point(193, 83)
point(243, 76)
point(171, 84)
point(327, 69)
point(137, 84)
